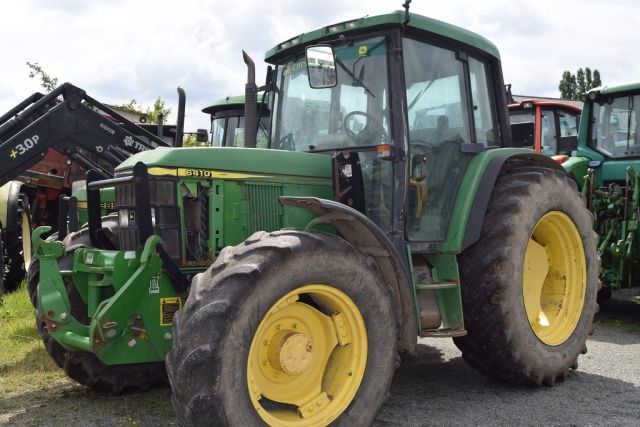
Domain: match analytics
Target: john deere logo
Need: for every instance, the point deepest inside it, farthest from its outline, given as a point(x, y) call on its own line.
point(154, 285)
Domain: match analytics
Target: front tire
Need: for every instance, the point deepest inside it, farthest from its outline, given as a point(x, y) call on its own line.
point(529, 284)
point(283, 318)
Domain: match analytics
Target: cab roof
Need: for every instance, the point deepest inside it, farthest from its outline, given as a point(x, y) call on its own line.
point(393, 19)
point(232, 103)
point(616, 89)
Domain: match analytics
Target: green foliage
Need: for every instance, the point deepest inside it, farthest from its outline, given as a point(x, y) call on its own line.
point(572, 86)
point(131, 106)
point(46, 81)
point(159, 107)
point(153, 112)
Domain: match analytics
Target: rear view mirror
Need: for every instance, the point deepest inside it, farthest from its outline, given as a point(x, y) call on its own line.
point(321, 67)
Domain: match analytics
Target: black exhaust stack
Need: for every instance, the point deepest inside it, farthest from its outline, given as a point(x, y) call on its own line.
point(182, 100)
point(250, 103)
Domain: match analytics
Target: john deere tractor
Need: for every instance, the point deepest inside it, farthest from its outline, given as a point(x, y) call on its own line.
point(282, 284)
point(607, 169)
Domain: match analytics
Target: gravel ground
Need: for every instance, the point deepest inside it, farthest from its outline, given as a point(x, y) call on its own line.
point(435, 389)
point(440, 389)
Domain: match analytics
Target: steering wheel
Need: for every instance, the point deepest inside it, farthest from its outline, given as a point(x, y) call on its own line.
point(370, 131)
point(286, 143)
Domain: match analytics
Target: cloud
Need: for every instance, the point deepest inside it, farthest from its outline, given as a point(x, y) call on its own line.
point(124, 49)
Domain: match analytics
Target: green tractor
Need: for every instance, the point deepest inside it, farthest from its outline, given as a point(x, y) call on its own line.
point(607, 169)
point(282, 284)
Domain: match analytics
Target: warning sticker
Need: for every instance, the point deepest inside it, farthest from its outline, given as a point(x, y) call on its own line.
point(168, 307)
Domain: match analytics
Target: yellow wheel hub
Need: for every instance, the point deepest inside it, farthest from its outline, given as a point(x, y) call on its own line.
point(307, 357)
point(292, 353)
point(26, 240)
point(554, 278)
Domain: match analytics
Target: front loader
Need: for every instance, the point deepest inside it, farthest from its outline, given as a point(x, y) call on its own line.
point(47, 142)
point(282, 284)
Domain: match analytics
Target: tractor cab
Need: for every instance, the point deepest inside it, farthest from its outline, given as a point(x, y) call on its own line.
point(607, 168)
point(401, 110)
point(549, 126)
point(227, 121)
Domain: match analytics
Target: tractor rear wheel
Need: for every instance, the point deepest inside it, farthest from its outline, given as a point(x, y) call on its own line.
point(529, 284)
point(17, 248)
point(289, 328)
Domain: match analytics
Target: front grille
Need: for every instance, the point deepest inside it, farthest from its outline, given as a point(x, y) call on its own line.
point(164, 214)
point(265, 211)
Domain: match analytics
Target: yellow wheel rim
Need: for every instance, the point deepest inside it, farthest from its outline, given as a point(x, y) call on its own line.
point(554, 278)
point(307, 357)
point(26, 240)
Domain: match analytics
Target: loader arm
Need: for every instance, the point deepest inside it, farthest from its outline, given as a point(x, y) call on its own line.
point(73, 123)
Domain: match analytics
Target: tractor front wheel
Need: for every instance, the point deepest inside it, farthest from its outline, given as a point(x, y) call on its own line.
point(529, 284)
point(291, 328)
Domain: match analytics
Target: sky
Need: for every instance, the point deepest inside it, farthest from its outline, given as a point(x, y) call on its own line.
point(118, 50)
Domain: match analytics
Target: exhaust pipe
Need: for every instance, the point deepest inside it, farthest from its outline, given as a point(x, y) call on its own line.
point(250, 103)
point(182, 100)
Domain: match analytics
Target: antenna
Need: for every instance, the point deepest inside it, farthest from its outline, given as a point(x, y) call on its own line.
point(407, 17)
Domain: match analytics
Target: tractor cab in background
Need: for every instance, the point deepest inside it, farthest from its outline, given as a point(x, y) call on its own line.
point(549, 126)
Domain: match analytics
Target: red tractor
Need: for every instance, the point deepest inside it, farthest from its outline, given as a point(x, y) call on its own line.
point(545, 124)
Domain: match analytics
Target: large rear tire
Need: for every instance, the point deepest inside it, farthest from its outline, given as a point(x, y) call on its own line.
point(17, 248)
point(289, 328)
point(529, 284)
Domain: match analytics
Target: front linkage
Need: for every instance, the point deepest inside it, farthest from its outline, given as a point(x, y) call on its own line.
point(136, 329)
point(616, 214)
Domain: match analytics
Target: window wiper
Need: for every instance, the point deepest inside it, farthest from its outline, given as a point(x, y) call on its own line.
point(419, 95)
point(353, 76)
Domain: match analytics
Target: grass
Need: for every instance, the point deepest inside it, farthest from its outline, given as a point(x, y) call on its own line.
point(34, 391)
point(24, 364)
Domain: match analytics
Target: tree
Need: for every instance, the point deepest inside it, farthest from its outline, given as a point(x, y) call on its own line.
point(580, 79)
point(46, 81)
point(153, 112)
point(159, 107)
point(50, 83)
point(596, 79)
point(567, 85)
point(572, 86)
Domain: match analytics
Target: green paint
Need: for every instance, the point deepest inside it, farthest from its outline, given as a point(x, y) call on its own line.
point(234, 102)
point(241, 160)
point(371, 23)
point(577, 167)
point(612, 190)
point(453, 243)
point(445, 269)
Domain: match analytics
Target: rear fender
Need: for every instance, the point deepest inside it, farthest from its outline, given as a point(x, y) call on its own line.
point(367, 237)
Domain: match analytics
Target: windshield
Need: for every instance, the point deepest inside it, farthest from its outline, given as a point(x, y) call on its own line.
point(228, 131)
point(352, 113)
point(614, 126)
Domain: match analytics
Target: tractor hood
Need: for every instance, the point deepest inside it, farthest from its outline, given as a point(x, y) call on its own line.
point(252, 160)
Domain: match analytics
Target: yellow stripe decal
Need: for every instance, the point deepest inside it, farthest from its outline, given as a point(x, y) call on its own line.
point(208, 173)
point(201, 173)
point(162, 171)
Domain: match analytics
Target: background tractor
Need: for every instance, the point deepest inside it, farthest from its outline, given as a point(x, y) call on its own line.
point(606, 168)
point(282, 284)
point(546, 125)
point(46, 185)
